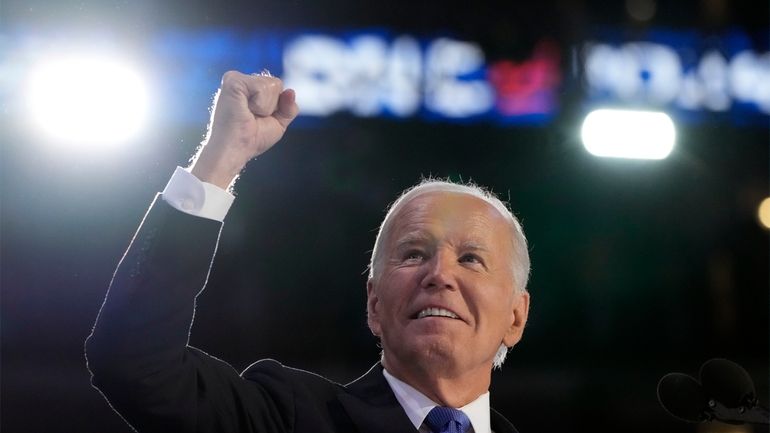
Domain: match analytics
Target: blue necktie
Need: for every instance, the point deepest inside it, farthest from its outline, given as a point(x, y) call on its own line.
point(447, 420)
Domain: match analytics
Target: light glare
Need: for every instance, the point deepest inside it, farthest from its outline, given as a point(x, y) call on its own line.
point(628, 134)
point(87, 101)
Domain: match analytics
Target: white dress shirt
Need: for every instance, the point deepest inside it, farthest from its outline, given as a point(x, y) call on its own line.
point(417, 405)
point(190, 195)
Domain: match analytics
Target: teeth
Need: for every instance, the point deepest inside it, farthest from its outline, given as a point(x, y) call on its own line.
point(440, 312)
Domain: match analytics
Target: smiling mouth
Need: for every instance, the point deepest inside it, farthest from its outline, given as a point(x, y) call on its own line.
point(436, 312)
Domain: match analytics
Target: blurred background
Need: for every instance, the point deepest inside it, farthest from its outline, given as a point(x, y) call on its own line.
point(648, 248)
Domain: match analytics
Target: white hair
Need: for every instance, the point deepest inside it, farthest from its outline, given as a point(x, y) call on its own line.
point(520, 265)
point(499, 358)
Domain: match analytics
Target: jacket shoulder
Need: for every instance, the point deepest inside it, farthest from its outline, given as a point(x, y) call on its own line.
point(272, 368)
point(313, 396)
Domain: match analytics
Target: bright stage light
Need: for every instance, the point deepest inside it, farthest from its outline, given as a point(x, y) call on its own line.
point(628, 134)
point(87, 101)
point(763, 213)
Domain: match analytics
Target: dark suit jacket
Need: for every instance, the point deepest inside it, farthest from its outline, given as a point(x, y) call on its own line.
point(139, 357)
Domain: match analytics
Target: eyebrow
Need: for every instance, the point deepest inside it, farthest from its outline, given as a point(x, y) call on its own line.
point(413, 238)
point(422, 238)
point(473, 246)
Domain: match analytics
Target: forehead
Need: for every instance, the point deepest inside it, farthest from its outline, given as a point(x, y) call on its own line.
point(450, 213)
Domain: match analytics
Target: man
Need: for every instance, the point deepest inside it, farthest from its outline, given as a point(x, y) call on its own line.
point(446, 296)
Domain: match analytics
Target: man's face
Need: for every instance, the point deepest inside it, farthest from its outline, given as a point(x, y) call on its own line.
point(445, 294)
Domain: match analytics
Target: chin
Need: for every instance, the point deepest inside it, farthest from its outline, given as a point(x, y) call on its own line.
point(436, 351)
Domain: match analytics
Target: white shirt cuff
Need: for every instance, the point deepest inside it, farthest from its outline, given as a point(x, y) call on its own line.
point(190, 195)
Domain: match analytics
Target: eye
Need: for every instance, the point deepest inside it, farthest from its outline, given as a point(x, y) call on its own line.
point(470, 258)
point(414, 256)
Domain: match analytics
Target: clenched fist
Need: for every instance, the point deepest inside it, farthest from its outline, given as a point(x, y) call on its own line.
point(251, 113)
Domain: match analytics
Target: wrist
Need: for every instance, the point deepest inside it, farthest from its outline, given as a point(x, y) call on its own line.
point(215, 168)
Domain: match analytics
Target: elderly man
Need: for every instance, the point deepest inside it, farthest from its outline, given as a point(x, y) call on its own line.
point(446, 297)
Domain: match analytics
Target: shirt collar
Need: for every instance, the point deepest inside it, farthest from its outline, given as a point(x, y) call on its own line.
point(417, 405)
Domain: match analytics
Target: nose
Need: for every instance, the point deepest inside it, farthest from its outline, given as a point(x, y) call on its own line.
point(439, 272)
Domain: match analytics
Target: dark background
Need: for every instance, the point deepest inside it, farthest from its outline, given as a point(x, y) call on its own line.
point(639, 268)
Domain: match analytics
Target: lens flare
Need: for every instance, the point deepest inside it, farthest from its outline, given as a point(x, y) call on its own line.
point(87, 101)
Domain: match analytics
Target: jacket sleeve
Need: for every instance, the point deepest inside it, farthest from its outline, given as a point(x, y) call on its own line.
point(138, 353)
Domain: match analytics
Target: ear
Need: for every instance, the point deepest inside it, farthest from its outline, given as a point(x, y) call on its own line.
point(372, 305)
point(520, 313)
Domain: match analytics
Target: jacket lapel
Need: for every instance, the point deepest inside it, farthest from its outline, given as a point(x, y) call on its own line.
point(372, 406)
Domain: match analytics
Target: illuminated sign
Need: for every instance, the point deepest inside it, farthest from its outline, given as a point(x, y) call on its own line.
point(370, 75)
point(374, 73)
point(724, 75)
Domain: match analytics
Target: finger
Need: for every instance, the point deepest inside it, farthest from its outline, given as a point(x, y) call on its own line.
point(263, 93)
point(287, 107)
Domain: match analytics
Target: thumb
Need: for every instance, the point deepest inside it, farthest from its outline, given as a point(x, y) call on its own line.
point(287, 108)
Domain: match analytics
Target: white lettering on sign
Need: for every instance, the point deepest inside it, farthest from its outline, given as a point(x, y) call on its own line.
point(749, 78)
point(653, 73)
point(447, 61)
point(635, 71)
point(369, 76)
point(366, 76)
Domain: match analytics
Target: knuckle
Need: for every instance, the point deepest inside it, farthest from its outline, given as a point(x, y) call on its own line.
point(229, 77)
point(273, 83)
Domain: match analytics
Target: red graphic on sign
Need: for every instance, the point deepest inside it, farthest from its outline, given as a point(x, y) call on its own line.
point(527, 87)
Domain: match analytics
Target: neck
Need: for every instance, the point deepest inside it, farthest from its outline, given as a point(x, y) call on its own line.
point(442, 385)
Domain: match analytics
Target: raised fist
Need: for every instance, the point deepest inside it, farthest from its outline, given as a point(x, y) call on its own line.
point(250, 114)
